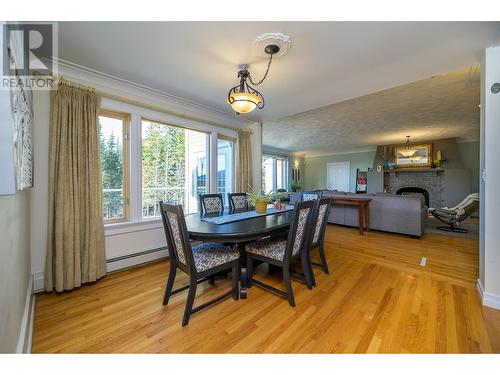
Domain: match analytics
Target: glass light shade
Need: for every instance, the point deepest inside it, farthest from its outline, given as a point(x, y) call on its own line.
point(408, 153)
point(244, 102)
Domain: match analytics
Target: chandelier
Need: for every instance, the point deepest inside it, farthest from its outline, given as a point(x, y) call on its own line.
point(243, 98)
point(409, 152)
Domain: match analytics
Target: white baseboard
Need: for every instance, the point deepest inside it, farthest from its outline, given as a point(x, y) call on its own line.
point(112, 265)
point(26, 331)
point(488, 299)
point(38, 282)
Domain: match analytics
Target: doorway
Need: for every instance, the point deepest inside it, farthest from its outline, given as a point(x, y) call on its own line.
point(338, 176)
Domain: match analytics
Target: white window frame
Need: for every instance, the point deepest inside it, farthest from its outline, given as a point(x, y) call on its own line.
point(233, 155)
point(275, 168)
point(137, 113)
point(126, 120)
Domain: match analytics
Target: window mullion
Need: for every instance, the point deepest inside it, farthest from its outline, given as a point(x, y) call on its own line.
point(135, 169)
point(212, 162)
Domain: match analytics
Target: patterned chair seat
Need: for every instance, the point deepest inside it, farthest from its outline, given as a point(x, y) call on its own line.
point(208, 255)
point(270, 248)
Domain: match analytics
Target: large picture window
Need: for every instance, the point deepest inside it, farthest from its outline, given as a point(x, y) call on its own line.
point(274, 172)
point(225, 167)
point(113, 142)
point(174, 167)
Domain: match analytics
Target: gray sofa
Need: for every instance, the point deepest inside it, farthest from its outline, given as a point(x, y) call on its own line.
point(405, 214)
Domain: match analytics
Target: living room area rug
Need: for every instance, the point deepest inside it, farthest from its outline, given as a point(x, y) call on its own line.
point(471, 224)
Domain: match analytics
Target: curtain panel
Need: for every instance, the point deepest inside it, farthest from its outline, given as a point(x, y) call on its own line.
point(75, 251)
point(244, 170)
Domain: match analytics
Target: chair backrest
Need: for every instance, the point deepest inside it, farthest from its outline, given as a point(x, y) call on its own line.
point(299, 230)
point(320, 218)
point(467, 207)
point(310, 195)
point(179, 246)
point(211, 203)
point(237, 201)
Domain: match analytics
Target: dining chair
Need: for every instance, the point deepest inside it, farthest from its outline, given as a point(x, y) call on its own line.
point(310, 195)
point(237, 201)
point(200, 262)
point(316, 241)
point(282, 252)
point(211, 203)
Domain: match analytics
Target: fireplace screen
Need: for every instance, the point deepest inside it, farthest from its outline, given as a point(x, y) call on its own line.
point(419, 156)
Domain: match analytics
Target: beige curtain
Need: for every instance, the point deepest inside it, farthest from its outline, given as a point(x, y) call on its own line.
point(244, 170)
point(75, 251)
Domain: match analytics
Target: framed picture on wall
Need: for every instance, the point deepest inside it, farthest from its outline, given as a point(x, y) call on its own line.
point(415, 156)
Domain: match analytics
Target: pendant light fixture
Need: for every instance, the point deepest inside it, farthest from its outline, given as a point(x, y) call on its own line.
point(243, 98)
point(409, 152)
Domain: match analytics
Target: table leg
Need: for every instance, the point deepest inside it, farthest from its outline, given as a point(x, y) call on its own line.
point(243, 271)
point(367, 216)
point(360, 219)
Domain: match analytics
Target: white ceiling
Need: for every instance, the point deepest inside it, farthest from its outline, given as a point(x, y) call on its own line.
point(441, 107)
point(329, 61)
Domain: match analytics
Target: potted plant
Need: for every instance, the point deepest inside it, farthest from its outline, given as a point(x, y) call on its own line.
point(295, 186)
point(260, 199)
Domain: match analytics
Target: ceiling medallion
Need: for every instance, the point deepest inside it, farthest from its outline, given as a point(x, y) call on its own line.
point(243, 98)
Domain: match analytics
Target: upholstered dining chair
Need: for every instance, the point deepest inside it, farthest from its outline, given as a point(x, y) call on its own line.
point(310, 195)
point(316, 241)
point(211, 203)
point(237, 201)
point(282, 252)
point(200, 262)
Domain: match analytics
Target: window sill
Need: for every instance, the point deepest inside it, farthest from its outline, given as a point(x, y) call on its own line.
point(130, 227)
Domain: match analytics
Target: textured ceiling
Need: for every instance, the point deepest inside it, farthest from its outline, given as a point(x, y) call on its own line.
point(328, 62)
point(439, 107)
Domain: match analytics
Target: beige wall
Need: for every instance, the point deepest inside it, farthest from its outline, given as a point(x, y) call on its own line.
point(15, 266)
point(315, 168)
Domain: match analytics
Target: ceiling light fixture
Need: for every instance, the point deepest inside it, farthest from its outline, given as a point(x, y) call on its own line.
point(243, 98)
point(409, 152)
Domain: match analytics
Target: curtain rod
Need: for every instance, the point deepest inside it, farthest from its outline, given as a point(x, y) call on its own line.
point(109, 95)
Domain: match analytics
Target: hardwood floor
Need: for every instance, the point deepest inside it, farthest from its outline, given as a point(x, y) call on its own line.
point(377, 299)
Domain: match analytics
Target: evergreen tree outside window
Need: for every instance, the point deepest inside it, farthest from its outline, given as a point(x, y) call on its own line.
point(174, 167)
point(113, 145)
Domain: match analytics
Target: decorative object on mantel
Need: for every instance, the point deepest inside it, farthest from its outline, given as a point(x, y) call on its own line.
point(439, 159)
point(243, 98)
point(408, 155)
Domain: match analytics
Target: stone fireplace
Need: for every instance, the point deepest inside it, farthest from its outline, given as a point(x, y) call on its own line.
point(416, 191)
point(432, 182)
point(446, 185)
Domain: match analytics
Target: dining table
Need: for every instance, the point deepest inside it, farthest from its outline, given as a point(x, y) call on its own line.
point(238, 229)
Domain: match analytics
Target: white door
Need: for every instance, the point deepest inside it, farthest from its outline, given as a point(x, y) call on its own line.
point(338, 176)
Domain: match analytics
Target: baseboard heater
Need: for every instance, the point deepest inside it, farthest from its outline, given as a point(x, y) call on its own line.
point(136, 259)
point(135, 255)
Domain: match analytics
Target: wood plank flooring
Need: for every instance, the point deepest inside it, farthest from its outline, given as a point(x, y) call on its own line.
point(377, 299)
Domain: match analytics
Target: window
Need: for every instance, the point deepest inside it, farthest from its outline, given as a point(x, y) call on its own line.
point(225, 167)
point(274, 172)
point(174, 167)
point(113, 142)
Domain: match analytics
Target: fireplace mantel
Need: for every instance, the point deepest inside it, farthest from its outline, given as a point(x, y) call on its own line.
point(412, 170)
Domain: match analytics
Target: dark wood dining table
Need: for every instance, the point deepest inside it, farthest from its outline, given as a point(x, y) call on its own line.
point(238, 233)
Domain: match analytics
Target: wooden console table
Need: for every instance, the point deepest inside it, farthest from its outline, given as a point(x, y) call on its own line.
point(363, 210)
